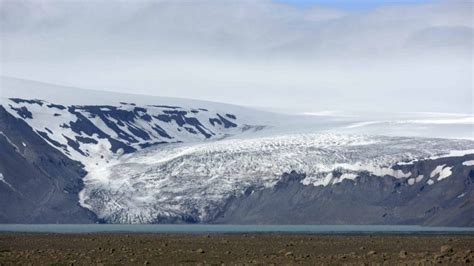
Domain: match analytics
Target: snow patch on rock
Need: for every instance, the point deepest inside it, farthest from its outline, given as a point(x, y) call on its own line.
point(2, 179)
point(419, 178)
point(468, 163)
point(442, 171)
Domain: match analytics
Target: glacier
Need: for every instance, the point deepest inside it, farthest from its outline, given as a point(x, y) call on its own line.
point(193, 181)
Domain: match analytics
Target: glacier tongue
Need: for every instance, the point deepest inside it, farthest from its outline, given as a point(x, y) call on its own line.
point(192, 181)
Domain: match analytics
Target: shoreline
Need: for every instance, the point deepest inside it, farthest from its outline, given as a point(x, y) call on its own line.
point(236, 229)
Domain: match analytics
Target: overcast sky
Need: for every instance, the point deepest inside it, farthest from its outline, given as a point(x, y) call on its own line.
point(298, 56)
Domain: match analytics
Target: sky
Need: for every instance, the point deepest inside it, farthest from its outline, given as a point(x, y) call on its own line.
point(359, 5)
point(286, 55)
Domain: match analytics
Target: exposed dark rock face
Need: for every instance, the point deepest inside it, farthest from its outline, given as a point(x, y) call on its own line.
point(40, 184)
point(367, 200)
point(220, 120)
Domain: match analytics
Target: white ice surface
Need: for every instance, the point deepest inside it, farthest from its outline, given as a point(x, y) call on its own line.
point(175, 180)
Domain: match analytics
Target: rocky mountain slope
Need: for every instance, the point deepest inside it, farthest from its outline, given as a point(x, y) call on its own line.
point(369, 199)
point(38, 183)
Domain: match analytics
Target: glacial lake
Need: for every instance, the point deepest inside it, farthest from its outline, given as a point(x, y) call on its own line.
point(233, 229)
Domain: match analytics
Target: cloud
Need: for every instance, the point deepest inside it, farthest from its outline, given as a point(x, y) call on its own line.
point(263, 53)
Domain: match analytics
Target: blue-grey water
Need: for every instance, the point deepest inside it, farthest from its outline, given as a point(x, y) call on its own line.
point(190, 229)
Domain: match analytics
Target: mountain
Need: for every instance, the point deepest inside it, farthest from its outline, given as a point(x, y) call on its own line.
point(69, 155)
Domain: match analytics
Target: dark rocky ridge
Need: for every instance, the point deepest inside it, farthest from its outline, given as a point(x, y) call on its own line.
point(368, 200)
